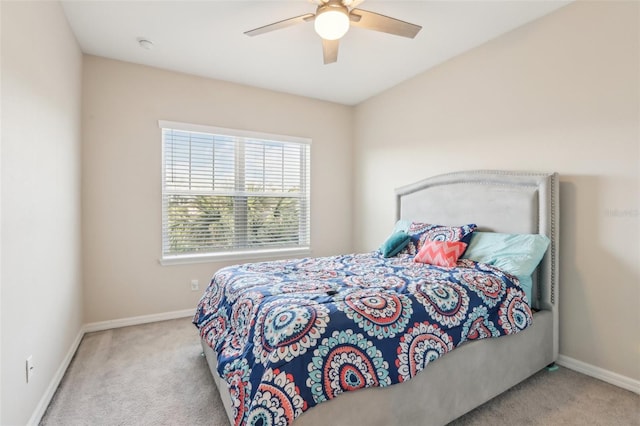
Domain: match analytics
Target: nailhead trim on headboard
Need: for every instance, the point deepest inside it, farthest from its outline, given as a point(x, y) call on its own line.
point(554, 239)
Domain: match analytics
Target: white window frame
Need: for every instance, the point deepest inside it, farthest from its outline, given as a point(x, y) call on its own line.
point(262, 253)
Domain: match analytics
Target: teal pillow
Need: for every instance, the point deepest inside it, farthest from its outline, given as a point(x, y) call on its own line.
point(402, 225)
point(517, 254)
point(395, 243)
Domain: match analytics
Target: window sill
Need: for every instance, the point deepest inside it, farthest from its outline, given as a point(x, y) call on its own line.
point(245, 256)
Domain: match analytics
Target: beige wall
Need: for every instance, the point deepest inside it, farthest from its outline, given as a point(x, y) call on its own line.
point(121, 194)
point(560, 94)
point(40, 166)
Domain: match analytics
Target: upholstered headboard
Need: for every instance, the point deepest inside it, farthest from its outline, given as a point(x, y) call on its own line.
point(498, 201)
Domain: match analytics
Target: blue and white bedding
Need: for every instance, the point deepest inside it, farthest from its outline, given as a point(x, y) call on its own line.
point(291, 334)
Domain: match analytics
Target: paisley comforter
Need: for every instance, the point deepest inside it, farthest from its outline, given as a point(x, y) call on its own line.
point(292, 334)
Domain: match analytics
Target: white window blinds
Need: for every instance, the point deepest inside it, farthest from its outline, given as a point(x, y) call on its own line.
point(233, 192)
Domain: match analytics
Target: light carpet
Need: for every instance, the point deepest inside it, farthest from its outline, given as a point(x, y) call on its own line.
point(153, 374)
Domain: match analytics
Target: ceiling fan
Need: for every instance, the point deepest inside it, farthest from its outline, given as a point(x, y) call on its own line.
point(333, 19)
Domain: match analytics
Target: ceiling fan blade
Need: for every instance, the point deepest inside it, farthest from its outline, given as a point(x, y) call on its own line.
point(352, 3)
point(374, 21)
point(330, 50)
point(281, 24)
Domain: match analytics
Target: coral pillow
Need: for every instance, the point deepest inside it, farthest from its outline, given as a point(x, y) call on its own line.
point(440, 253)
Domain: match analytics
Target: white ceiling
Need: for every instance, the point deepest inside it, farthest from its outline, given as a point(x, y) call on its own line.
point(206, 38)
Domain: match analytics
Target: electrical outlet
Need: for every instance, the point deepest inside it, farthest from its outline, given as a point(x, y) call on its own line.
point(30, 368)
point(195, 285)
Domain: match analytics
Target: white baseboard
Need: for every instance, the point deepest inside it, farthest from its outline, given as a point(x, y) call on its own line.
point(600, 373)
point(55, 381)
point(143, 319)
point(88, 328)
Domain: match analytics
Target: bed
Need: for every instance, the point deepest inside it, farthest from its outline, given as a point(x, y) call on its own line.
point(450, 385)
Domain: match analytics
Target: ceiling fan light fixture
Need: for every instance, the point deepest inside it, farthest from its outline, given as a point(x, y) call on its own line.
point(333, 19)
point(332, 22)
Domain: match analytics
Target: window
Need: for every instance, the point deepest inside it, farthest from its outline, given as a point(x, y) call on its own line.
point(228, 193)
